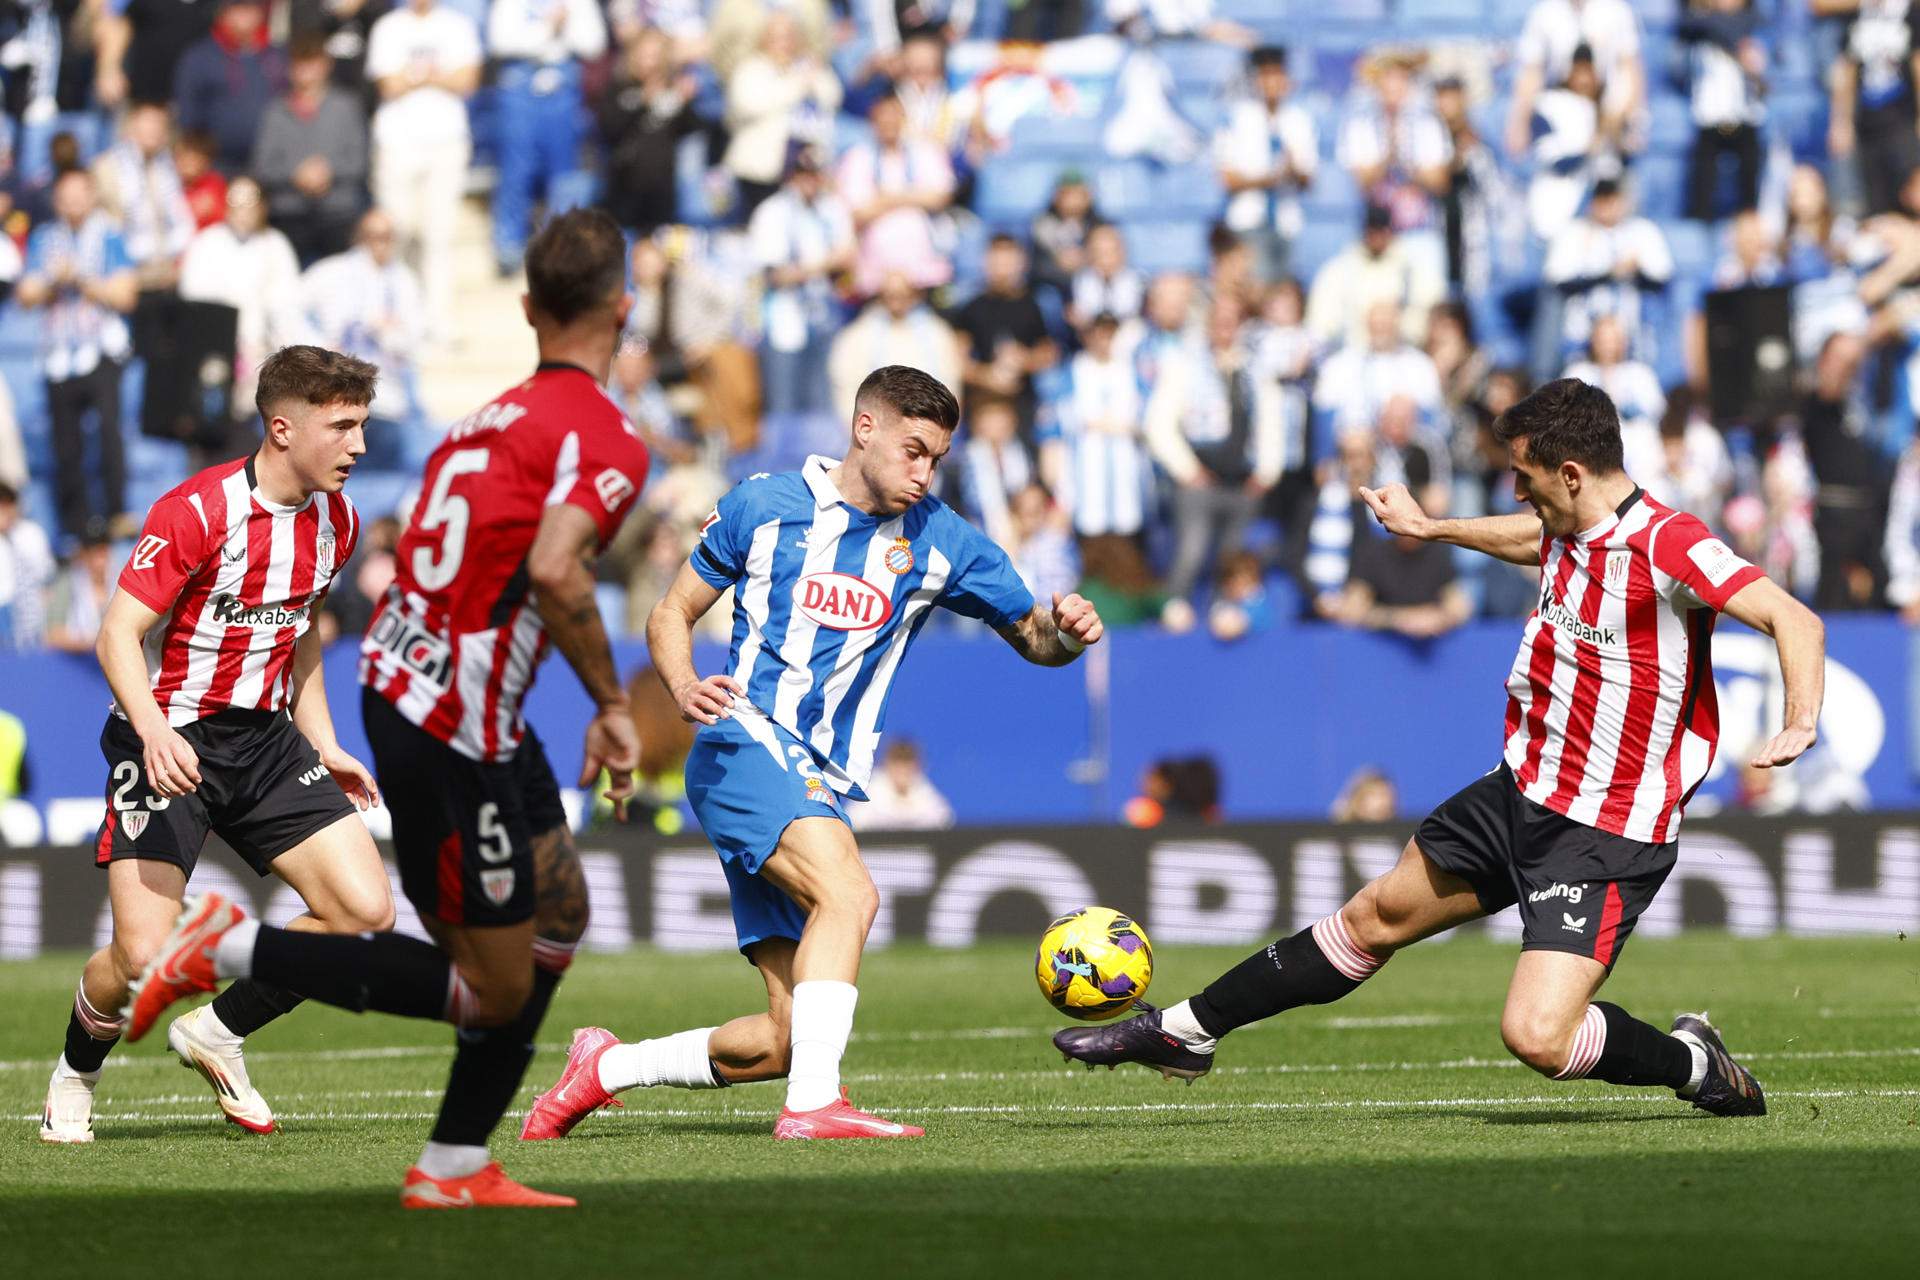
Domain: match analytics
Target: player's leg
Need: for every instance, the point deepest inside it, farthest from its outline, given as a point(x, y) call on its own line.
point(144, 897)
point(757, 1046)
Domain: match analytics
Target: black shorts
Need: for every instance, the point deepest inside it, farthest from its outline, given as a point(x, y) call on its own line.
point(1580, 889)
point(262, 789)
point(462, 829)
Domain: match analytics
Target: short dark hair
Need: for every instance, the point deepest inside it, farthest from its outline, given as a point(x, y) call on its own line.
point(1566, 420)
point(575, 263)
point(314, 375)
point(1268, 55)
point(911, 393)
point(306, 46)
point(1005, 240)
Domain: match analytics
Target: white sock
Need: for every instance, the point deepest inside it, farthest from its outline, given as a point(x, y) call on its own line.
point(679, 1060)
point(1699, 1052)
point(65, 1068)
point(447, 1160)
point(1180, 1022)
point(822, 1021)
point(219, 1031)
point(233, 955)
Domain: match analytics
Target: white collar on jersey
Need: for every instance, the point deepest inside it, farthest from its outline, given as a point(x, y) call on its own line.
point(814, 470)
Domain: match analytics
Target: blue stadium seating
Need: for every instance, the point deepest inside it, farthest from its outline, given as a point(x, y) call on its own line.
point(1660, 185)
point(1153, 247)
point(1671, 124)
point(1693, 245)
point(1316, 244)
point(1047, 137)
point(1199, 64)
point(1011, 191)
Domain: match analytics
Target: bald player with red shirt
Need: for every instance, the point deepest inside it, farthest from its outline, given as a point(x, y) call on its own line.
point(1611, 723)
point(220, 723)
point(494, 567)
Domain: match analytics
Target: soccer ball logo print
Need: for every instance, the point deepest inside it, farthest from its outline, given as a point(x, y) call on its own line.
point(1093, 963)
point(899, 557)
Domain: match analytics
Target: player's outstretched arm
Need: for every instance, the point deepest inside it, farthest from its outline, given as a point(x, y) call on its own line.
point(670, 645)
point(314, 719)
point(1053, 638)
point(557, 568)
point(1514, 538)
point(173, 768)
point(1801, 638)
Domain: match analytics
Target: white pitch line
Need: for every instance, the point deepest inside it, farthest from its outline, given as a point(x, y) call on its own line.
point(1570, 1101)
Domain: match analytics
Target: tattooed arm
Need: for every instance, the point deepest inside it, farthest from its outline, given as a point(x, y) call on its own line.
point(1053, 638)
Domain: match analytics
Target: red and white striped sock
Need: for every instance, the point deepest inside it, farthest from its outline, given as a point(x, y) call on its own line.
point(1331, 935)
point(1589, 1042)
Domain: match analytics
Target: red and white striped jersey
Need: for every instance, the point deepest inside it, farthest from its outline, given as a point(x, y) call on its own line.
point(1612, 718)
point(237, 579)
point(456, 640)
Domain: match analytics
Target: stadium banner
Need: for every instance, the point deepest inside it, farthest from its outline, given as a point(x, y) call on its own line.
point(1287, 717)
point(1230, 884)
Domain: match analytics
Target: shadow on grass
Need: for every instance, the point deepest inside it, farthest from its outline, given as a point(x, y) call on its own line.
point(1793, 1211)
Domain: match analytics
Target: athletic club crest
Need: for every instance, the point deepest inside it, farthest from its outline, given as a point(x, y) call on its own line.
point(1618, 564)
point(323, 552)
point(899, 557)
point(135, 823)
point(498, 885)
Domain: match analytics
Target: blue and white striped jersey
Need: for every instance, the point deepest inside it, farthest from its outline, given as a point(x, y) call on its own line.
point(827, 599)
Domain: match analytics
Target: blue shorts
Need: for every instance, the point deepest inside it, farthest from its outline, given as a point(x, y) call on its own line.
point(745, 786)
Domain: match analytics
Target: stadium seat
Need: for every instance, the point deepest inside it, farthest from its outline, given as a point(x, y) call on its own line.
point(1316, 245)
point(1334, 195)
point(1154, 247)
point(1051, 137)
point(1660, 186)
point(1200, 64)
point(1671, 129)
point(1451, 11)
point(1693, 248)
point(1188, 191)
point(1123, 190)
point(1010, 192)
point(1801, 114)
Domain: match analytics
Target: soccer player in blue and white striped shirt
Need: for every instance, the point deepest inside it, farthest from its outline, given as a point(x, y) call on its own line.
point(834, 568)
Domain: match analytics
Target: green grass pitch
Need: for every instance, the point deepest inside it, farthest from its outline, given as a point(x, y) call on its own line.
point(1386, 1135)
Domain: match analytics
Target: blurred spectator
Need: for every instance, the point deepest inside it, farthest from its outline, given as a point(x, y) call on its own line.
point(1106, 283)
point(141, 43)
point(1369, 796)
point(1376, 266)
point(1477, 210)
point(225, 82)
point(1059, 233)
point(802, 237)
point(1850, 502)
point(1728, 87)
point(1007, 341)
point(343, 27)
point(1240, 605)
point(1397, 151)
point(1118, 581)
point(1403, 585)
point(922, 89)
point(1752, 259)
point(49, 62)
point(993, 465)
point(1166, 325)
point(1607, 263)
point(1569, 153)
point(781, 95)
point(1871, 111)
point(79, 271)
point(1267, 153)
point(1774, 527)
point(1357, 381)
point(1015, 87)
point(901, 797)
point(1409, 450)
point(898, 189)
point(634, 386)
point(1147, 122)
point(250, 267)
point(684, 22)
point(643, 115)
point(1695, 473)
point(660, 794)
point(897, 327)
point(540, 48)
point(1340, 518)
point(1902, 541)
point(1105, 474)
point(140, 189)
point(1041, 544)
point(204, 186)
point(367, 302)
point(79, 597)
point(1218, 432)
point(425, 58)
point(1554, 31)
point(26, 570)
point(13, 450)
point(1184, 789)
point(311, 155)
point(1230, 271)
point(358, 589)
point(736, 29)
point(1459, 365)
point(1632, 385)
point(694, 322)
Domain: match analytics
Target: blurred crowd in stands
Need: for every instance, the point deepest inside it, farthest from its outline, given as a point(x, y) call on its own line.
point(1198, 269)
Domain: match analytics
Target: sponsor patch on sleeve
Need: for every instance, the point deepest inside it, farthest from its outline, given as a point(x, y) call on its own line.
point(613, 488)
point(1715, 560)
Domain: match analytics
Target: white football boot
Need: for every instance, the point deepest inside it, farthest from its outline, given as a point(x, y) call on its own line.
point(217, 1058)
point(68, 1114)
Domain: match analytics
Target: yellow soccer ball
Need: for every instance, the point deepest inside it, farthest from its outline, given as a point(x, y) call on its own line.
point(1093, 963)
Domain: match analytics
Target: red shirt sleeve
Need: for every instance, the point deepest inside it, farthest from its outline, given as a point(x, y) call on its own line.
point(613, 470)
point(174, 546)
point(1686, 551)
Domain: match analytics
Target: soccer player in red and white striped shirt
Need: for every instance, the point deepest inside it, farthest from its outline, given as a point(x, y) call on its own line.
point(1611, 723)
point(220, 723)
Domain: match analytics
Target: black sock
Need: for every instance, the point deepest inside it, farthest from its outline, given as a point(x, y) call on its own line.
point(1288, 973)
point(387, 972)
point(85, 1052)
point(1635, 1052)
point(488, 1066)
point(246, 1006)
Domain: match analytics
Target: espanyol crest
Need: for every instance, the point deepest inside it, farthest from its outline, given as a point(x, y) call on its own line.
point(899, 557)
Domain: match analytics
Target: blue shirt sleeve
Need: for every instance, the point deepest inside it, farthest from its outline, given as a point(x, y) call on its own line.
point(117, 257)
point(720, 557)
point(984, 584)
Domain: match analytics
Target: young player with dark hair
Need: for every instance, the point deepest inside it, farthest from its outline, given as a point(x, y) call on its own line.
point(494, 566)
point(835, 568)
point(220, 723)
point(1611, 724)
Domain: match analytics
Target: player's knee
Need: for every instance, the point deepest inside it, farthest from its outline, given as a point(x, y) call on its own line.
point(370, 912)
point(1535, 1040)
point(563, 917)
point(133, 950)
point(1376, 925)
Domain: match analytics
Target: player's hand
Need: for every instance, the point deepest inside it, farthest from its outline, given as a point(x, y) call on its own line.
point(1784, 747)
point(1074, 615)
point(1397, 510)
point(613, 744)
point(173, 768)
point(354, 778)
point(708, 701)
